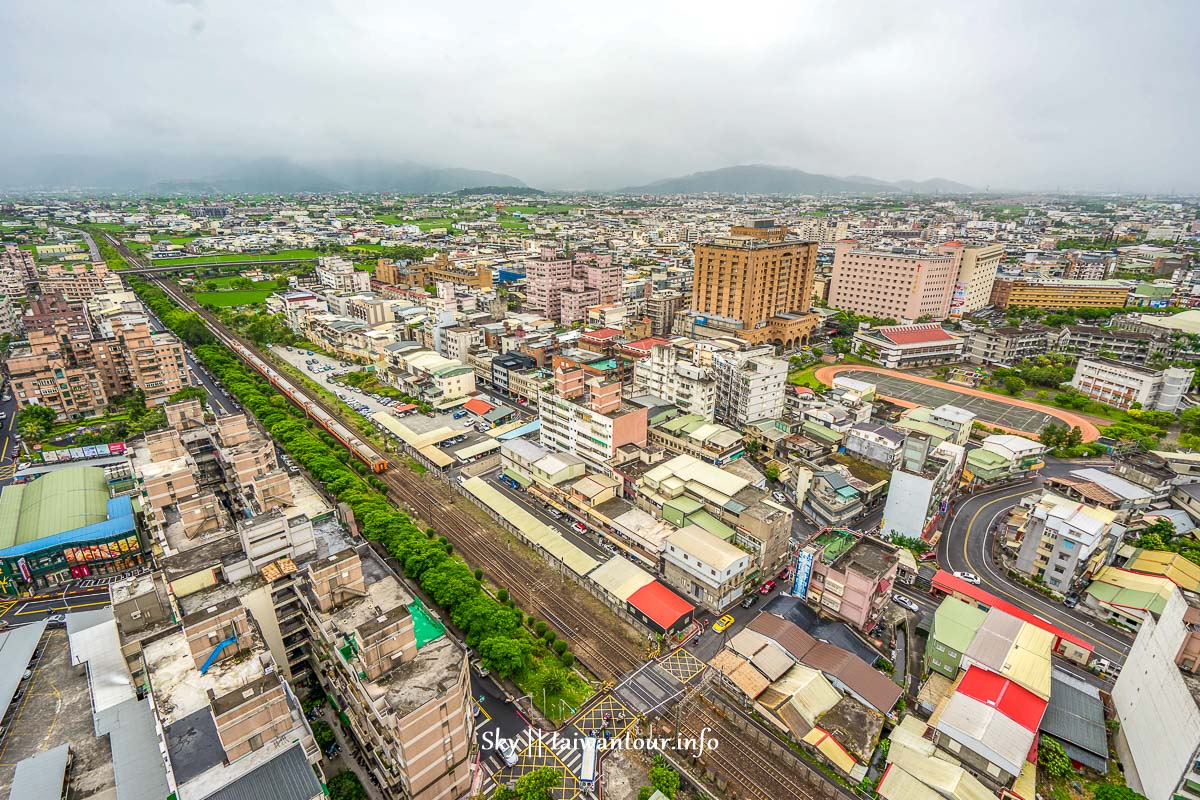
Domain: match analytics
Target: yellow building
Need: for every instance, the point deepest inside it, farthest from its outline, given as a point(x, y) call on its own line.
point(1058, 294)
point(756, 283)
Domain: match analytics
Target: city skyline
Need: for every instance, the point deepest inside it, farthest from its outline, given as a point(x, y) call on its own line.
point(1012, 98)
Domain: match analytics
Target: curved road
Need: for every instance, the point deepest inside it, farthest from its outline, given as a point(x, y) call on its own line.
point(966, 546)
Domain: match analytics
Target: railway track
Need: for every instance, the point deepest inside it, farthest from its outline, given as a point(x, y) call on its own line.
point(606, 655)
point(752, 772)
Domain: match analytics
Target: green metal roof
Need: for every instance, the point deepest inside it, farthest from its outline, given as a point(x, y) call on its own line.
point(60, 501)
point(955, 624)
point(684, 504)
point(712, 525)
point(1127, 599)
point(986, 458)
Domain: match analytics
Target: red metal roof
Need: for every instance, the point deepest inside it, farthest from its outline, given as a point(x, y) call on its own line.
point(602, 333)
point(660, 604)
point(477, 406)
point(945, 582)
point(403, 408)
point(1011, 699)
point(915, 334)
point(644, 344)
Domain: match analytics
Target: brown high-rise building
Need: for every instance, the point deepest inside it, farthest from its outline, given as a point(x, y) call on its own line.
point(756, 284)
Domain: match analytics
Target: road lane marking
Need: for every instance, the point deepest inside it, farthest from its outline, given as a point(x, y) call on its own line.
point(1018, 599)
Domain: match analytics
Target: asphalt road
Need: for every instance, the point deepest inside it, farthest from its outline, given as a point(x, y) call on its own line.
point(966, 546)
point(218, 399)
point(16, 612)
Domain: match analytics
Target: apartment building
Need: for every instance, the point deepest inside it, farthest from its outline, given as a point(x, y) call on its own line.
point(677, 375)
point(221, 707)
point(1054, 294)
point(900, 346)
point(920, 488)
point(1006, 346)
point(46, 312)
point(750, 386)
point(466, 271)
point(705, 568)
point(1065, 540)
point(661, 308)
point(402, 685)
point(563, 287)
point(78, 283)
point(757, 284)
point(592, 422)
point(826, 497)
point(458, 340)
point(77, 373)
point(906, 285)
point(697, 436)
point(976, 274)
point(1130, 347)
point(1119, 384)
point(339, 274)
point(851, 576)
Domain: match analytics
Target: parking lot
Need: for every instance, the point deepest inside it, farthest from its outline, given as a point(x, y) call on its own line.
point(53, 706)
point(325, 375)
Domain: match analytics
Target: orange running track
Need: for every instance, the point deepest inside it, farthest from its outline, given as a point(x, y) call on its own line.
point(1090, 432)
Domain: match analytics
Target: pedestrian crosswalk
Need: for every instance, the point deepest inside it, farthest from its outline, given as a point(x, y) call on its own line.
point(535, 750)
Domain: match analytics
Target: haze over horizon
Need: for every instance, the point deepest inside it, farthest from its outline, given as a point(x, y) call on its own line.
point(1073, 96)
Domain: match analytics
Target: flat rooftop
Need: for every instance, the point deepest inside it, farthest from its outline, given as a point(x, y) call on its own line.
point(179, 688)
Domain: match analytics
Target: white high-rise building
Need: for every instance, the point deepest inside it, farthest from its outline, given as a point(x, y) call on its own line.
point(750, 385)
point(673, 374)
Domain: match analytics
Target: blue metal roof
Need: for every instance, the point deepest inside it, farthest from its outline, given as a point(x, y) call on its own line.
point(524, 430)
point(120, 520)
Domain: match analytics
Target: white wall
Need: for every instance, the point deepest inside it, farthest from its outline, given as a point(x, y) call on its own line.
point(1160, 723)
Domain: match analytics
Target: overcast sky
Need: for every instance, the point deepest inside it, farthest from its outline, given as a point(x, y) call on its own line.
point(1076, 95)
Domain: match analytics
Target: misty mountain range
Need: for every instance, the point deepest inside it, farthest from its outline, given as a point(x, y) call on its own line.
point(162, 175)
point(766, 179)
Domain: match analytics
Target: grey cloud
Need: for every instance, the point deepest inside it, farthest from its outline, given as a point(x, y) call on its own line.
point(1080, 95)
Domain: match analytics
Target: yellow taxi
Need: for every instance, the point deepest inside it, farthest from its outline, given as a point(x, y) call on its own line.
point(723, 623)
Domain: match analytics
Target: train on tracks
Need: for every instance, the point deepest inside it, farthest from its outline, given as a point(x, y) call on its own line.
point(361, 450)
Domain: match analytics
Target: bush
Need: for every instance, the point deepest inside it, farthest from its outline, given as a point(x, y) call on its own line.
point(479, 577)
point(549, 636)
point(1053, 759)
point(567, 658)
point(502, 595)
point(540, 628)
point(560, 646)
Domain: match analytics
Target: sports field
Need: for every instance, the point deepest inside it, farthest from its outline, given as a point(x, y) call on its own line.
point(1019, 416)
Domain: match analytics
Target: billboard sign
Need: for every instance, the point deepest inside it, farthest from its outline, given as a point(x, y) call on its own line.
point(804, 564)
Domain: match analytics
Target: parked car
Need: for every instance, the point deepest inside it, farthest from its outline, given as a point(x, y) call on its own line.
point(56, 621)
point(969, 577)
point(767, 587)
point(906, 602)
point(750, 600)
point(780, 497)
point(723, 623)
point(928, 555)
point(784, 574)
point(1071, 600)
point(554, 512)
point(579, 526)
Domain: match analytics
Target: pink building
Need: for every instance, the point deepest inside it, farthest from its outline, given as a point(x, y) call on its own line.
point(564, 288)
point(852, 576)
point(904, 286)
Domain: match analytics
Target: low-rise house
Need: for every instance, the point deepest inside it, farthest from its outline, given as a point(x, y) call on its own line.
point(878, 444)
point(851, 576)
point(705, 568)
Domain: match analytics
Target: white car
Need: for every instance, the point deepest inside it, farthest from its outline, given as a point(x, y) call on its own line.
point(969, 577)
point(508, 751)
point(906, 602)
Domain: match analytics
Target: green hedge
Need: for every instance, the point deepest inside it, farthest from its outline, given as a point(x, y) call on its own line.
point(489, 626)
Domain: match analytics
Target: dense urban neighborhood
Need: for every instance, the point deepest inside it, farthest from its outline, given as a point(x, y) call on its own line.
point(473, 494)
